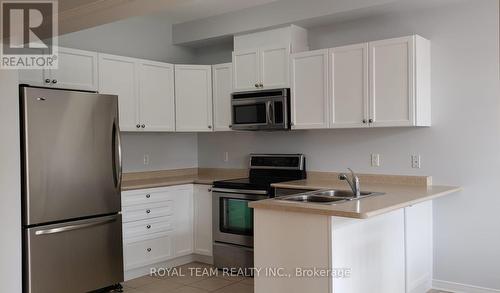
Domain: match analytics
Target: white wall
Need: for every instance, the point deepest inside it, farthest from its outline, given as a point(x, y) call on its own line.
point(10, 184)
point(165, 150)
point(148, 38)
point(461, 148)
point(139, 37)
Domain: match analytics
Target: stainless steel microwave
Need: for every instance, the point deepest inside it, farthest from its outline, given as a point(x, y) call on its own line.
point(261, 110)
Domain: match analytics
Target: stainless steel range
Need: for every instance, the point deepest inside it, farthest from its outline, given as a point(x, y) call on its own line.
point(233, 219)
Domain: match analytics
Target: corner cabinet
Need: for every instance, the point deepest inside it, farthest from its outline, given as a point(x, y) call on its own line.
point(77, 70)
point(193, 98)
point(262, 68)
point(309, 100)
point(145, 91)
point(222, 75)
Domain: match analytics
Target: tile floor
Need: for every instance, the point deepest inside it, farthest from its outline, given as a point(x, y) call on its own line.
point(196, 283)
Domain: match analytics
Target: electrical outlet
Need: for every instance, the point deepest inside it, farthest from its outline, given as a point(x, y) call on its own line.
point(226, 157)
point(415, 161)
point(146, 159)
point(375, 160)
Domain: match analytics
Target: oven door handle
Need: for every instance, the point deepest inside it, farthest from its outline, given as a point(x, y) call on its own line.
point(240, 191)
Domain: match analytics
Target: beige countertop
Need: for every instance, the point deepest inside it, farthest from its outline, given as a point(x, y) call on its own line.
point(396, 196)
point(143, 180)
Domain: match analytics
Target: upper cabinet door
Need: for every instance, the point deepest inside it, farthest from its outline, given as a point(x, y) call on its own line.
point(246, 70)
point(222, 88)
point(309, 75)
point(349, 86)
point(193, 97)
point(391, 82)
point(117, 76)
point(156, 96)
point(77, 69)
point(274, 62)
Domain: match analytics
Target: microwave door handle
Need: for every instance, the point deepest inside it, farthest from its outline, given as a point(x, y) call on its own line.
point(268, 112)
point(271, 112)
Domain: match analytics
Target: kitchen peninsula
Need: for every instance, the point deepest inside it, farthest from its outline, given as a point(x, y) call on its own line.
point(381, 243)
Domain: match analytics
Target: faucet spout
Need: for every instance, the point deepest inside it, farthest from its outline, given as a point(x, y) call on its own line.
point(353, 182)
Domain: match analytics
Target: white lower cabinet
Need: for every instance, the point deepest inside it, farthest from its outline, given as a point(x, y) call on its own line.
point(203, 220)
point(160, 224)
point(157, 225)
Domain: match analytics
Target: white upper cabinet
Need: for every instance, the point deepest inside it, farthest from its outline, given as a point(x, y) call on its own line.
point(156, 96)
point(193, 98)
point(118, 76)
point(77, 70)
point(261, 68)
point(379, 84)
point(145, 92)
point(349, 86)
point(246, 70)
point(309, 101)
point(261, 60)
point(400, 82)
point(274, 70)
point(222, 75)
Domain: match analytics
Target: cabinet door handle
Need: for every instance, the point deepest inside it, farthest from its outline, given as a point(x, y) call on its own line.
point(143, 126)
point(148, 195)
point(149, 249)
point(54, 81)
point(138, 126)
point(47, 80)
point(148, 211)
point(364, 121)
point(370, 121)
point(257, 85)
point(148, 227)
point(261, 85)
point(210, 190)
point(209, 126)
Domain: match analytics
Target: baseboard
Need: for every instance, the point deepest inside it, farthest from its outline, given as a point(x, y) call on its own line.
point(421, 285)
point(144, 271)
point(460, 288)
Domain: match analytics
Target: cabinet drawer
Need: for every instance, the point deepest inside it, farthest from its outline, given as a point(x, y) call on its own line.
point(147, 211)
point(147, 252)
point(147, 227)
point(147, 196)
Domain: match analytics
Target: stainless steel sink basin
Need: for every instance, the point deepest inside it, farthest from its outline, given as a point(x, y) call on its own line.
point(312, 198)
point(340, 193)
point(331, 196)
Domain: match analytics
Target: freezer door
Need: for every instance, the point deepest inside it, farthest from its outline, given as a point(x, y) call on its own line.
point(78, 256)
point(71, 155)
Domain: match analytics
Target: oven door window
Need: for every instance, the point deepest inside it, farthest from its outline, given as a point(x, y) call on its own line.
point(236, 217)
point(250, 114)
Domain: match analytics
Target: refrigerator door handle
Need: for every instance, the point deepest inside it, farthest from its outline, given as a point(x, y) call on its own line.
point(117, 151)
point(75, 227)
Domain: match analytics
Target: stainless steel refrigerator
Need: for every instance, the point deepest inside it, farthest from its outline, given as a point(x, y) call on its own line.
point(71, 156)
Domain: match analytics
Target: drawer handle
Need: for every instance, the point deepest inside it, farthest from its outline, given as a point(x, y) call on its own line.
point(148, 226)
point(148, 211)
point(148, 195)
point(149, 249)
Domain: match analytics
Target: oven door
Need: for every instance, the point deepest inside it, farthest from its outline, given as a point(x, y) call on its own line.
point(232, 218)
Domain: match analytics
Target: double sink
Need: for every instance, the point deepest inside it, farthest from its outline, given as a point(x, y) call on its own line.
point(330, 196)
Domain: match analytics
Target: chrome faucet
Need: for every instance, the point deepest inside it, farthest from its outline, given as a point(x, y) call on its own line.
point(353, 182)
